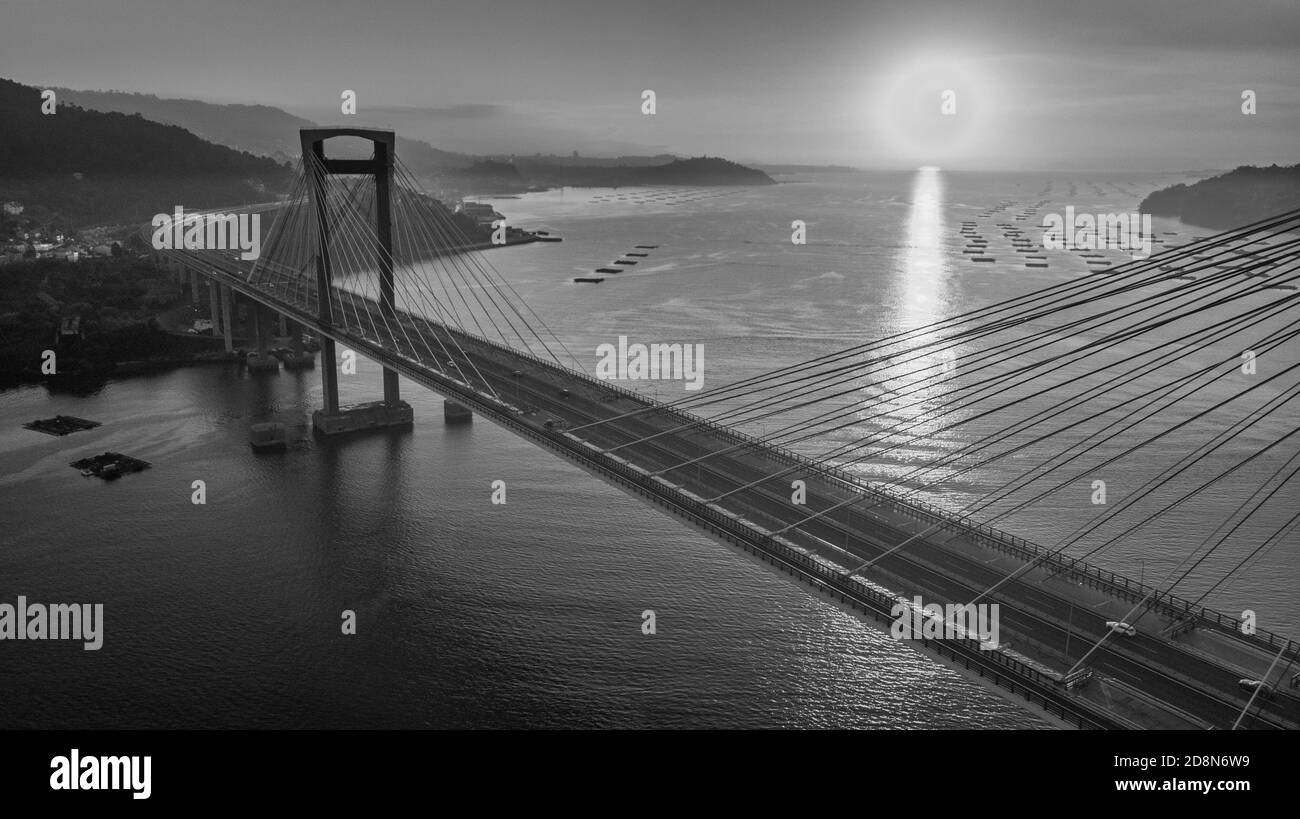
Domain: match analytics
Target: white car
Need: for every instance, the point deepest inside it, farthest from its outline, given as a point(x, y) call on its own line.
point(1265, 690)
point(1120, 627)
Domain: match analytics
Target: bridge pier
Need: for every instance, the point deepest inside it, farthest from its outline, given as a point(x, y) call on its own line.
point(227, 328)
point(372, 415)
point(194, 288)
point(454, 413)
point(299, 359)
point(213, 307)
point(392, 411)
point(263, 361)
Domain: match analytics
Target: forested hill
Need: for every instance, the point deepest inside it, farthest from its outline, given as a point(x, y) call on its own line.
point(90, 166)
point(1236, 198)
point(258, 129)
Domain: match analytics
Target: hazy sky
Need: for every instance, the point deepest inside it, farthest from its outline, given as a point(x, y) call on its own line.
point(1105, 84)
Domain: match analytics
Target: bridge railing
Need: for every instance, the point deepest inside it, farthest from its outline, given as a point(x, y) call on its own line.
point(1151, 597)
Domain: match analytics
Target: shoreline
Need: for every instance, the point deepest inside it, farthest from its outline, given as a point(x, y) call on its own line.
point(96, 376)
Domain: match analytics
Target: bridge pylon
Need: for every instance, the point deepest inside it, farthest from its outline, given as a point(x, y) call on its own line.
point(392, 411)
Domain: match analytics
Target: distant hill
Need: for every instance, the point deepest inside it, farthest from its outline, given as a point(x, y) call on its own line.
point(783, 169)
point(697, 171)
point(1230, 200)
point(273, 132)
point(87, 166)
point(487, 176)
point(537, 160)
point(258, 129)
point(425, 160)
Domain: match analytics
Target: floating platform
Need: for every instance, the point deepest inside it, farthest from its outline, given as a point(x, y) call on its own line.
point(982, 259)
point(637, 255)
point(624, 261)
point(608, 270)
point(267, 437)
point(109, 466)
point(589, 279)
point(372, 415)
point(1035, 264)
point(61, 425)
point(646, 247)
point(542, 238)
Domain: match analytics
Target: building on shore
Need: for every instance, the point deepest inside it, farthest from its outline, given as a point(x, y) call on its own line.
point(482, 214)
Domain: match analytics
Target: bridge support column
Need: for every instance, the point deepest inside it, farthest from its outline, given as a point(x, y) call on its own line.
point(384, 233)
point(329, 379)
point(227, 325)
point(194, 288)
point(263, 361)
point(298, 359)
point(213, 307)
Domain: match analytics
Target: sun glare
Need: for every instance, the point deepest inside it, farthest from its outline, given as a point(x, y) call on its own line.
point(934, 108)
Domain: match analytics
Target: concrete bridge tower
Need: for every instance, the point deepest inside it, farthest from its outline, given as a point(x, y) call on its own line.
point(392, 411)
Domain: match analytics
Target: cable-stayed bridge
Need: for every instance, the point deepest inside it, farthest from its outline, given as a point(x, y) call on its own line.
point(1184, 363)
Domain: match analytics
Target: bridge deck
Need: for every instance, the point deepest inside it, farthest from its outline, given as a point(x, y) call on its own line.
point(946, 565)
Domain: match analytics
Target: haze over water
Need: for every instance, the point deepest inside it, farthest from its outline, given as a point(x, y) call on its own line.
point(528, 614)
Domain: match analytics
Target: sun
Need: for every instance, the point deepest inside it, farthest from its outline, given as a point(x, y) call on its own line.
point(934, 109)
